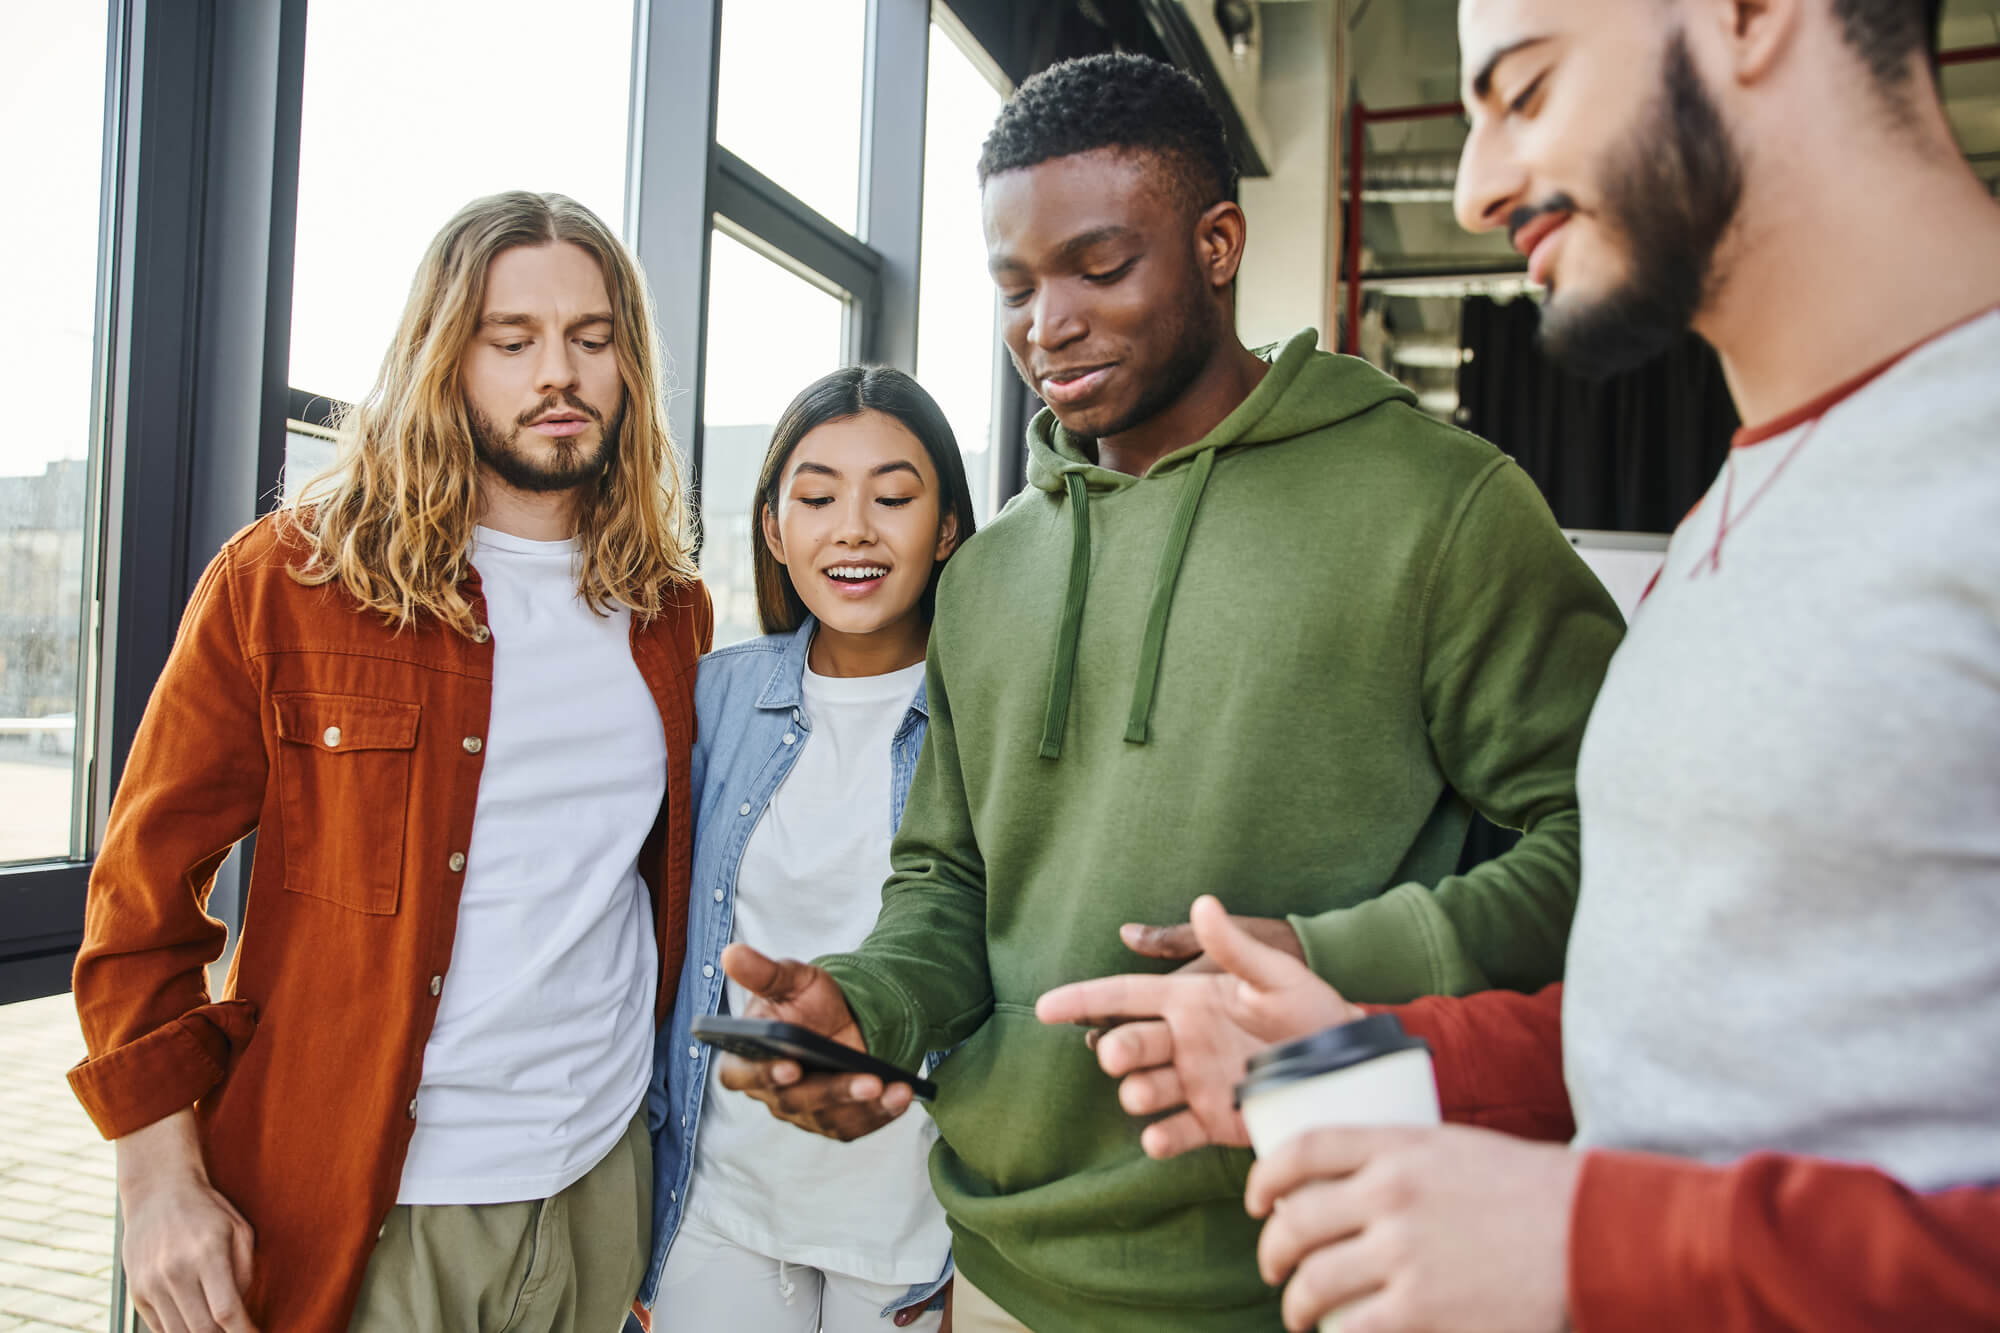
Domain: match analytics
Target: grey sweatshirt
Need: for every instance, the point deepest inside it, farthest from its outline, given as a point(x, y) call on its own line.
point(1789, 930)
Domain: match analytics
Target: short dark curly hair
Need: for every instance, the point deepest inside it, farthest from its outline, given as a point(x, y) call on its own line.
point(1116, 101)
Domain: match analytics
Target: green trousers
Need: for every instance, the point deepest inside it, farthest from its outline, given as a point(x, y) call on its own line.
point(566, 1264)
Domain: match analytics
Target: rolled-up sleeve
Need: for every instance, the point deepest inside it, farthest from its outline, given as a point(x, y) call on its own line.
point(192, 789)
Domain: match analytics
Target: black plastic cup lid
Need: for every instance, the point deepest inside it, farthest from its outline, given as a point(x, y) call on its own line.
point(1323, 1052)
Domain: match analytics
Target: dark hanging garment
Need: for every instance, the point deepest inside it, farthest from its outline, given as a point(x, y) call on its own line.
point(1631, 453)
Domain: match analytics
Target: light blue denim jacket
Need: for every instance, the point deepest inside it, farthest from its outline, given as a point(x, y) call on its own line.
point(750, 729)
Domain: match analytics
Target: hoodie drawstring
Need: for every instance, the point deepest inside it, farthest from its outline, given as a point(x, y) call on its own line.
point(1062, 677)
point(1139, 721)
point(1072, 617)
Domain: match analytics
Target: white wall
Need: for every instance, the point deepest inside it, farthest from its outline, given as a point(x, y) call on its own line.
point(1291, 263)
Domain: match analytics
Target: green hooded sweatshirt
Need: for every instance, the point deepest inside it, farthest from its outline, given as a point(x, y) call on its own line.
point(1277, 668)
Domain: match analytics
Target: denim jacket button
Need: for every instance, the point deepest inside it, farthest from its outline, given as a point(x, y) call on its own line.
point(743, 809)
point(790, 738)
point(708, 969)
point(718, 895)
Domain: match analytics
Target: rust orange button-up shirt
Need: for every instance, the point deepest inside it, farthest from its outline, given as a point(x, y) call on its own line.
point(354, 752)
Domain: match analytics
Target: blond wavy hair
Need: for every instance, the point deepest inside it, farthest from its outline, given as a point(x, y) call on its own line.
point(391, 521)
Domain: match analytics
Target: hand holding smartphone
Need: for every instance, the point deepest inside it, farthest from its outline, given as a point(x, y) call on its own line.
point(767, 1039)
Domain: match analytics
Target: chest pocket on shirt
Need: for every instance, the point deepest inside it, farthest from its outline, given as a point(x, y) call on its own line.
point(344, 792)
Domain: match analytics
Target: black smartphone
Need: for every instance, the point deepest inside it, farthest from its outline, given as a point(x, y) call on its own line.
point(765, 1039)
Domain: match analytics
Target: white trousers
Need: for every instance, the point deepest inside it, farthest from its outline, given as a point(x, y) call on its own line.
point(712, 1283)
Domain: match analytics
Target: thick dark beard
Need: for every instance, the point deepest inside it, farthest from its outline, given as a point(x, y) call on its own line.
point(1193, 337)
point(1672, 188)
point(571, 467)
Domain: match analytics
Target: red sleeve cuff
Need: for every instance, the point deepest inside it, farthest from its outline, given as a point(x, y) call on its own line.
point(169, 1069)
point(1649, 1244)
point(1499, 1060)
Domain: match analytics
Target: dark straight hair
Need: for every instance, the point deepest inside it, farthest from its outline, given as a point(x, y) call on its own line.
point(841, 396)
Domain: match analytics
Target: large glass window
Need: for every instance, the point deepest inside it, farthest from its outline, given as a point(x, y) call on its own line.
point(413, 110)
point(770, 334)
point(957, 328)
point(788, 100)
point(51, 147)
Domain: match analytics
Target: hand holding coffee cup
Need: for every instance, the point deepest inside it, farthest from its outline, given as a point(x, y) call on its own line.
point(1367, 1073)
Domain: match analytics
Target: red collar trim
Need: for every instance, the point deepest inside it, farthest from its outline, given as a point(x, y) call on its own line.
point(1832, 398)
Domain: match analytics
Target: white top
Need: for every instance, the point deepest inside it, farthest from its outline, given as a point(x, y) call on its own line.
point(1789, 930)
point(810, 883)
point(544, 1035)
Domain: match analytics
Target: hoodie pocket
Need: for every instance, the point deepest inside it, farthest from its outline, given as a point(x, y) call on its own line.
point(344, 793)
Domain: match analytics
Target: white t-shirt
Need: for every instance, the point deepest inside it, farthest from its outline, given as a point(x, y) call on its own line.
point(544, 1037)
point(810, 883)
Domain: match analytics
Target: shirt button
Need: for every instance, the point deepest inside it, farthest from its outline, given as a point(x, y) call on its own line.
point(743, 809)
point(694, 1053)
point(457, 862)
point(790, 738)
point(413, 1108)
point(708, 969)
point(718, 895)
point(480, 634)
point(473, 745)
point(437, 984)
point(331, 737)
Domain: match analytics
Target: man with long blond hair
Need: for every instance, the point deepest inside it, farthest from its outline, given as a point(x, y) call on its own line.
point(449, 686)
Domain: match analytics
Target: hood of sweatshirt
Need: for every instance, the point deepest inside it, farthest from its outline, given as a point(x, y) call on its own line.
point(1306, 390)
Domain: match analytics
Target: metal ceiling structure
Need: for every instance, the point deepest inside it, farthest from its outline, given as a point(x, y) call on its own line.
point(1417, 265)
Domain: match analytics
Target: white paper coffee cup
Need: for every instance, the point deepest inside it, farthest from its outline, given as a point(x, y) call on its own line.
point(1360, 1075)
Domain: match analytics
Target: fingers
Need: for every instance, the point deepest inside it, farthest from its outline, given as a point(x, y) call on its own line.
point(224, 1299)
point(1151, 1091)
point(179, 1308)
point(1236, 950)
point(1176, 941)
point(758, 974)
point(243, 1252)
point(1106, 1001)
point(172, 1292)
point(757, 1077)
point(846, 1121)
point(1136, 1045)
point(1184, 1132)
point(1317, 1214)
point(1317, 1155)
point(1327, 1280)
point(839, 1106)
point(819, 1093)
point(163, 1318)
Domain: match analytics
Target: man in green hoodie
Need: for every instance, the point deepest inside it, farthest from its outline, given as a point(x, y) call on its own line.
point(1257, 627)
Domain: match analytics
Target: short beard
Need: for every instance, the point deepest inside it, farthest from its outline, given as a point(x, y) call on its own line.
point(570, 468)
point(1672, 188)
point(1192, 337)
